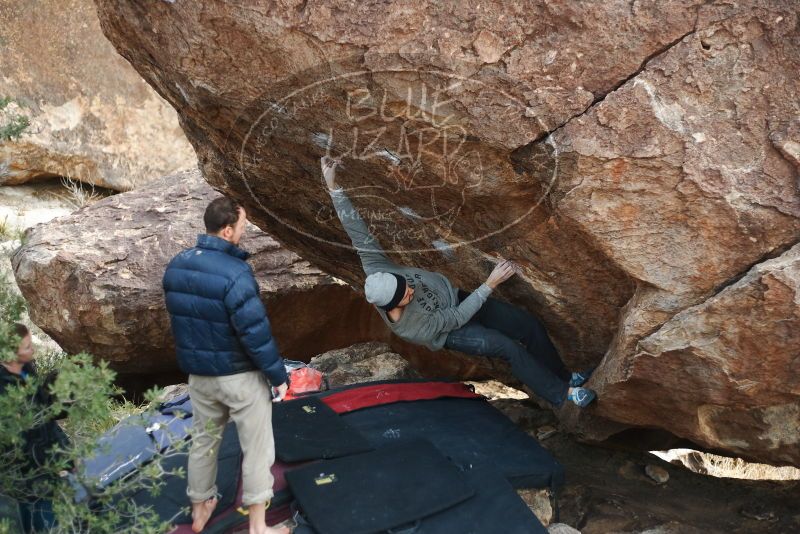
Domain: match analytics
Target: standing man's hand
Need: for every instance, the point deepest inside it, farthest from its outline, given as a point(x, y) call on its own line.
point(280, 392)
point(329, 171)
point(501, 272)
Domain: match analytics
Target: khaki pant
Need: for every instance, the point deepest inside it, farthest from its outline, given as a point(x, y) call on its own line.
point(245, 398)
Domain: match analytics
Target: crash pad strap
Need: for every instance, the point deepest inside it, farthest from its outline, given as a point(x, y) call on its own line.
point(376, 395)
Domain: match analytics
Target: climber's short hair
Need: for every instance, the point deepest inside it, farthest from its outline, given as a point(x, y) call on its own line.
point(221, 212)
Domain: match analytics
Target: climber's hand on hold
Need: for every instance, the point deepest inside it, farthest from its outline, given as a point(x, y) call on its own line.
point(501, 272)
point(329, 171)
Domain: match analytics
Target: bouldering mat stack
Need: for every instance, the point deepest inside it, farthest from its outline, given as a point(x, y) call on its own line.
point(461, 424)
point(435, 443)
point(138, 439)
point(397, 456)
point(409, 487)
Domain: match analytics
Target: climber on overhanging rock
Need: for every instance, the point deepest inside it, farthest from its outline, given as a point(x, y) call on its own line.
point(424, 308)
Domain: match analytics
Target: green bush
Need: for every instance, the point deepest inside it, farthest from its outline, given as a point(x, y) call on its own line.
point(12, 306)
point(7, 231)
point(83, 396)
point(14, 129)
point(15, 125)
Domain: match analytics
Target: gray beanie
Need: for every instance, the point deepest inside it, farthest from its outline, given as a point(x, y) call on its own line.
point(382, 289)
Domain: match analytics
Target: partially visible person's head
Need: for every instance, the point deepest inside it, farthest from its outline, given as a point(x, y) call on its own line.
point(387, 291)
point(25, 349)
point(225, 218)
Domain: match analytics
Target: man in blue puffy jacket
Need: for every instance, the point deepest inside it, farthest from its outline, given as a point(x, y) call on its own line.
point(224, 343)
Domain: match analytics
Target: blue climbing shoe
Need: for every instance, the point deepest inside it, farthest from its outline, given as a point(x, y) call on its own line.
point(582, 397)
point(578, 379)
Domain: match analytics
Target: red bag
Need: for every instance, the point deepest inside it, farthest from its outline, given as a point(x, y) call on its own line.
point(303, 381)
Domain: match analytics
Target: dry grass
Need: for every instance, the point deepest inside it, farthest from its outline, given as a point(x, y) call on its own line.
point(79, 194)
point(9, 232)
point(119, 409)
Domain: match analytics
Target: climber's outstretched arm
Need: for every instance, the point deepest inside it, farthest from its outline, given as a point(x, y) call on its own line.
point(373, 258)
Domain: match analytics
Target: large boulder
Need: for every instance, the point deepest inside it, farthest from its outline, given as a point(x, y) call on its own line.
point(92, 280)
point(725, 371)
point(684, 178)
point(634, 158)
point(92, 117)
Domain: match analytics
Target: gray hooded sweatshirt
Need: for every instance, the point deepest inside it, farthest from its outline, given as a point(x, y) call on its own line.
point(434, 310)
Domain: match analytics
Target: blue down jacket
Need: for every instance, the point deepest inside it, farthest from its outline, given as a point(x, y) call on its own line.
point(218, 320)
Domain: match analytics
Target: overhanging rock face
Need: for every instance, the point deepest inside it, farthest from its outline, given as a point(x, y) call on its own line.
point(633, 159)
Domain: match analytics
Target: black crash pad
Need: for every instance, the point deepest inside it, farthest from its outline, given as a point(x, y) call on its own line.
point(308, 429)
point(469, 431)
point(378, 490)
point(495, 507)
